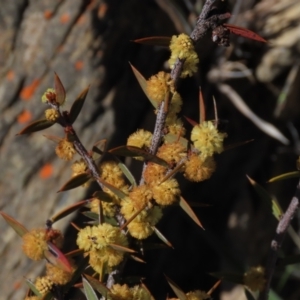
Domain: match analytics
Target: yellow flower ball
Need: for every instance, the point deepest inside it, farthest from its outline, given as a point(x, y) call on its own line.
point(57, 275)
point(207, 139)
point(120, 292)
point(51, 114)
point(43, 285)
point(158, 86)
point(65, 150)
point(35, 243)
point(167, 192)
point(198, 169)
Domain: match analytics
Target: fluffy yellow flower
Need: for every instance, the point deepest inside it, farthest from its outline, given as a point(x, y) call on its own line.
point(49, 96)
point(109, 171)
point(141, 226)
point(141, 138)
point(176, 103)
point(43, 285)
point(35, 243)
point(120, 292)
point(78, 167)
point(154, 173)
point(99, 237)
point(182, 48)
point(172, 153)
point(175, 125)
point(140, 293)
point(207, 139)
point(57, 275)
point(51, 114)
point(65, 150)
point(199, 169)
point(158, 86)
point(167, 192)
point(109, 208)
point(254, 279)
point(140, 196)
point(106, 256)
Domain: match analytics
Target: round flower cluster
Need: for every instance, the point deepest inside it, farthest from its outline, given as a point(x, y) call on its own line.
point(182, 48)
point(65, 150)
point(158, 86)
point(124, 292)
point(207, 139)
point(51, 114)
point(98, 241)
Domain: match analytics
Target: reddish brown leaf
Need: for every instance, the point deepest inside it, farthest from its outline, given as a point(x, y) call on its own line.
point(59, 90)
point(244, 32)
point(192, 122)
point(163, 41)
point(75, 182)
point(36, 126)
point(77, 105)
point(14, 224)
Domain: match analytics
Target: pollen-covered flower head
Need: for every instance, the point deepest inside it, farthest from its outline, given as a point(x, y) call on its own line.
point(181, 45)
point(167, 192)
point(109, 170)
point(65, 150)
point(120, 292)
point(78, 167)
point(254, 279)
point(35, 243)
point(154, 173)
point(172, 152)
point(43, 285)
point(141, 138)
point(158, 86)
point(57, 275)
point(198, 168)
point(99, 237)
point(182, 48)
point(108, 208)
point(207, 139)
point(49, 96)
point(51, 114)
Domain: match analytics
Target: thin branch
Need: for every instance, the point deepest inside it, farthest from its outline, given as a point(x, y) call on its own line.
point(277, 241)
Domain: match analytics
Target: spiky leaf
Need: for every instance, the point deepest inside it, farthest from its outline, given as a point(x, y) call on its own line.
point(121, 248)
point(98, 286)
point(163, 41)
point(284, 176)
point(75, 182)
point(88, 290)
point(127, 173)
point(162, 237)
point(268, 201)
point(103, 196)
point(77, 105)
point(131, 151)
point(14, 224)
point(68, 210)
point(143, 83)
point(115, 190)
point(33, 288)
point(187, 209)
point(59, 90)
point(176, 289)
point(36, 126)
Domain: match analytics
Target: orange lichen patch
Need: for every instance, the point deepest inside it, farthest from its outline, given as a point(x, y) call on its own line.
point(10, 75)
point(81, 19)
point(46, 171)
point(28, 91)
point(102, 10)
point(79, 65)
point(48, 14)
point(24, 117)
point(17, 285)
point(64, 18)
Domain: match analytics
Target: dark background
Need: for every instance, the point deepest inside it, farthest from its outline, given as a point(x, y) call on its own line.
point(89, 42)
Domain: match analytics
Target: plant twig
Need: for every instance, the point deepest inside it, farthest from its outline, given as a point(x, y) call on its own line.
point(277, 241)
